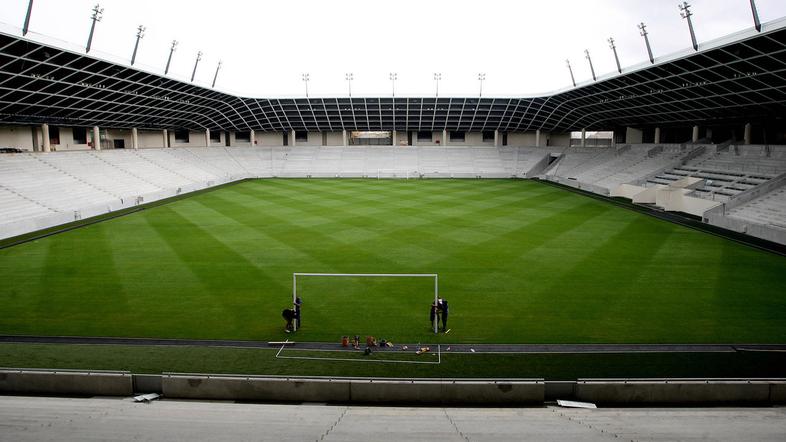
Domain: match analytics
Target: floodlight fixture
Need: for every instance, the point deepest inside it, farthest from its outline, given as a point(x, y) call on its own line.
point(570, 69)
point(616, 57)
point(589, 59)
point(98, 13)
point(645, 34)
point(140, 34)
point(687, 14)
point(169, 60)
point(196, 63)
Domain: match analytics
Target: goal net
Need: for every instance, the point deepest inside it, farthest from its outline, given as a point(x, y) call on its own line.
point(373, 302)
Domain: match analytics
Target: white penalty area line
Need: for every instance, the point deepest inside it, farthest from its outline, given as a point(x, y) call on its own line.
point(382, 361)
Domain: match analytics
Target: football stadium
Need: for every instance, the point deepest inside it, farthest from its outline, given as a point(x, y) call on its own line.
point(621, 240)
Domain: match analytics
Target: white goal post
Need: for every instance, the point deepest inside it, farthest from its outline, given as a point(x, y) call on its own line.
point(368, 275)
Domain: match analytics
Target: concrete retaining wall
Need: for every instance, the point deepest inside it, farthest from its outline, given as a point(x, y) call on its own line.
point(92, 383)
point(352, 390)
point(673, 391)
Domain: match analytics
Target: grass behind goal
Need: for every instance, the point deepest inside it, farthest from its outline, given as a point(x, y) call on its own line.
point(364, 306)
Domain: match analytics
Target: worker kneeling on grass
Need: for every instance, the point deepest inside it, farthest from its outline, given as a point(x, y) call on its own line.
point(289, 315)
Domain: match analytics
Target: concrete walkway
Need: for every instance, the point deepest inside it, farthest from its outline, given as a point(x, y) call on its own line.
point(120, 419)
point(454, 348)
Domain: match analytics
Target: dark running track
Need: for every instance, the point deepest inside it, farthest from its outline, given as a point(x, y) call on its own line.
point(453, 348)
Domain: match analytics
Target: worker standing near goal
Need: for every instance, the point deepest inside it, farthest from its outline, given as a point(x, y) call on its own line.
point(442, 310)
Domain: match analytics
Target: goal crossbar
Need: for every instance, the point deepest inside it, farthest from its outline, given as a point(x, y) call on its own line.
point(369, 275)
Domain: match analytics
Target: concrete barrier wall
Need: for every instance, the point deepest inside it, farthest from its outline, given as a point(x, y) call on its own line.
point(352, 390)
point(672, 392)
point(66, 382)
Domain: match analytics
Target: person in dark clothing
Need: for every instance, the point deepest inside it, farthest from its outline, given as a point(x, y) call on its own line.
point(432, 316)
point(442, 310)
point(298, 304)
point(289, 315)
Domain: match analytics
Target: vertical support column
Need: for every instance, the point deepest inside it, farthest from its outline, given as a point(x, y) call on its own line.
point(292, 138)
point(394, 138)
point(444, 137)
point(165, 139)
point(537, 138)
point(496, 138)
point(695, 136)
point(134, 138)
point(96, 138)
point(708, 134)
point(583, 137)
point(657, 135)
point(344, 137)
point(207, 137)
point(252, 137)
point(45, 136)
point(747, 136)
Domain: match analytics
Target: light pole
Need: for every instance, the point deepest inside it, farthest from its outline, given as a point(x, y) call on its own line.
point(349, 78)
point(215, 77)
point(570, 69)
point(686, 14)
point(196, 63)
point(481, 77)
point(26, 27)
point(616, 58)
point(437, 77)
point(306, 78)
point(592, 69)
point(140, 33)
point(98, 11)
point(644, 33)
point(756, 22)
point(169, 60)
point(393, 78)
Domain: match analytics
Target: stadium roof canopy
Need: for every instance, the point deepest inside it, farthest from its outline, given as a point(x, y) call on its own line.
point(735, 79)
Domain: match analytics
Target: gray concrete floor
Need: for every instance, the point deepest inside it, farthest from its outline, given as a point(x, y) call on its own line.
point(39, 418)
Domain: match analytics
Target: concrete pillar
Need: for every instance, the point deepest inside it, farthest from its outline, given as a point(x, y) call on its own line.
point(444, 137)
point(292, 138)
point(395, 138)
point(708, 134)
point(165, 139)
point(207, 137)
point(537, 138)
point(45, 136)
point(583, 137)
point(414, 137)
point(134, 138)
point(746, 137)
point(695, 136)
point(344, 137)
point(252, 137)
point(496, 138)
point(657, 135)
point(96, 138)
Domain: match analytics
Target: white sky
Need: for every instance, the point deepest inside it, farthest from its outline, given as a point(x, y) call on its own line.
point(520, 45)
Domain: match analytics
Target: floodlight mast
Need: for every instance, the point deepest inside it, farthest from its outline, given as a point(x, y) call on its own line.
point(196, 63)
point(349, 78)
point(169, 60)
point(686, 14)
point(98, 11)
point(437, 77)
point(644, 33)
point(756, 22)
point(215, 77)
point(393, 78)
point(26, 26)
point(140, 33)
point(589, 59)
point(481, 78)
point(614, 49)
point(570, 69)
point(306, 78)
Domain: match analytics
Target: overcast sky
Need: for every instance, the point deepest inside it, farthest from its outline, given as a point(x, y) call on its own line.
point(265, 46)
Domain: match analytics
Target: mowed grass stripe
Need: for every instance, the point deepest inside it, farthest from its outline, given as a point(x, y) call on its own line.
point(519, 261)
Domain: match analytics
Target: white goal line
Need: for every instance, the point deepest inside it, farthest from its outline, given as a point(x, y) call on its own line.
point(382, 361)
point(368, 275)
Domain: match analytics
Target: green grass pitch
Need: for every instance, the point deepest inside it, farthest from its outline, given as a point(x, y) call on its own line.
point(519, 261)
